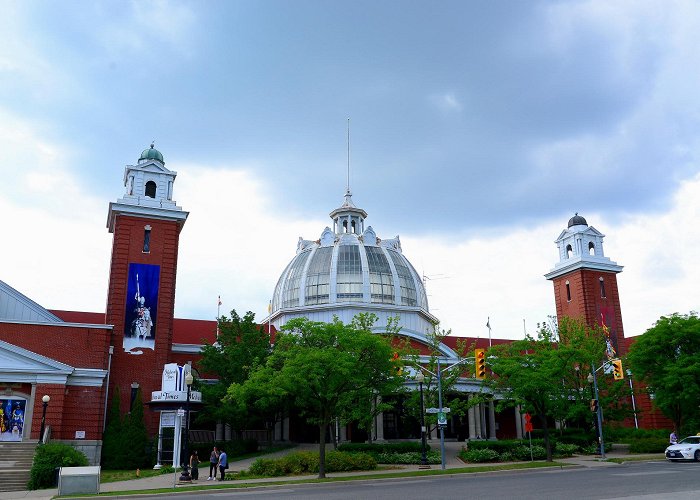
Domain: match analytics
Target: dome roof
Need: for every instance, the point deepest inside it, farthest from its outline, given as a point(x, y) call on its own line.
point(152, 154)
point(577, 220)
point(349, 266)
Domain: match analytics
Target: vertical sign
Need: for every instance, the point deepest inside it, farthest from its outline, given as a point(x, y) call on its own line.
point(141, 308)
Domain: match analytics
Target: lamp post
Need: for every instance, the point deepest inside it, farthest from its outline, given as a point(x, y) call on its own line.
point(599, 411)
point(45, 400)
point(423, 459)
point(185, 476)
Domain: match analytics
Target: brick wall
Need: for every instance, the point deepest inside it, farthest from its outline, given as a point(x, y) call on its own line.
point(144, 369)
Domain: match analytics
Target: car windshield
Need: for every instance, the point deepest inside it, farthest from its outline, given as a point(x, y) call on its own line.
point(691, 440)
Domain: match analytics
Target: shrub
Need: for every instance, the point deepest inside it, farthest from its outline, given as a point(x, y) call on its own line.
point(167, 469)
point(404, 447)
point(502, 446)
point(506, 456)
point(648, 445)
point(565, 450)
point(522, 452)
point(47, 458)
point(307, 462)
point(414, 457)
point(479, 456)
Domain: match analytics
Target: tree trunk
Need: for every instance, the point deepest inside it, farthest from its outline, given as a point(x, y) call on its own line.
point(545, 435)
point(322, 450)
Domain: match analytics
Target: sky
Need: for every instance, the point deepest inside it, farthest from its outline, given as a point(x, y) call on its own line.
point(477, 129)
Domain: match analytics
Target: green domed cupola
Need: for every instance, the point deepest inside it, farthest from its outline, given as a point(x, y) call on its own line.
point(151, 154)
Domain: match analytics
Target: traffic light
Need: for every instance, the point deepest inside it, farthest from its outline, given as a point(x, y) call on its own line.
point(618, 374)
point(480, 363)
point(594, 405)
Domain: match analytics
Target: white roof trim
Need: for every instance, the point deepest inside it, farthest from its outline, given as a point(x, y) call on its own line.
point(15, 306)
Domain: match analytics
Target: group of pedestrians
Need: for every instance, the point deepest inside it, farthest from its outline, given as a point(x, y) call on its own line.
point(218, 461)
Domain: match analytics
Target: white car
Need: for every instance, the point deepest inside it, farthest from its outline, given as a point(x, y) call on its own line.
point(687, 449)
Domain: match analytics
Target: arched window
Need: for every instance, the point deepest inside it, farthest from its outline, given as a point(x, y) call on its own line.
point(591, 248)
point(569, 251)
point(345, 226)
point(602, 288)
point(147, 239)
point(151, 189)
point(353, 227)
point(568, 291)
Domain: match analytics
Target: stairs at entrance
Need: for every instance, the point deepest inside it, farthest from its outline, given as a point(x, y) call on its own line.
point(15, 463)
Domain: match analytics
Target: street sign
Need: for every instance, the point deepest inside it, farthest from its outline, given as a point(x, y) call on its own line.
point(437, 410)
point(180, 412)
point(528, 422)
point(442, 418)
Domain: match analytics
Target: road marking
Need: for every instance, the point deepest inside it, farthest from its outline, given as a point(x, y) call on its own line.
point(401, 483)
point(266, 492)
point(645, 473)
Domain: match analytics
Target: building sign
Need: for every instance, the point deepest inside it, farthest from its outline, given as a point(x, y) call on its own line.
point(171, 376)
point(12, 419)
point(79, 434)
point(141, 308)
point(176, 396)
point(167, 419)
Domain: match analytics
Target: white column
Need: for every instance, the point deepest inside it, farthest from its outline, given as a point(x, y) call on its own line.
point(471, 416)
point(477, 420)
point(379, 423)
point(492, 421)
point(158, 465)
point(518, 423)
point(227, 432)
point(343, 437)
point(219, 435)
point(177, 441)
point(482, 415)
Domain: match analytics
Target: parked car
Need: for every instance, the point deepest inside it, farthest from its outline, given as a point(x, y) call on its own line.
point(687, 449)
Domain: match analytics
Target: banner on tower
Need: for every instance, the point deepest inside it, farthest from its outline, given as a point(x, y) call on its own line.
point(141, 308)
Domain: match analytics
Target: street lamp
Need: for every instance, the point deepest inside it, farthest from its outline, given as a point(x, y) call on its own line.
point(599, 410)
point(45, 400)
point(185, 476)
point(423, 459)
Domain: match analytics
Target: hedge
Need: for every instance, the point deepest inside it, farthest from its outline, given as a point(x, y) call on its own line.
point(648, 445)
point(307, 462)
point(403, 447)
point(47, 458)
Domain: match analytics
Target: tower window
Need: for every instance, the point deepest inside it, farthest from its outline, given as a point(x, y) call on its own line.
point(353, 227)
point(147, 239)
point(345, 226)
point(569, 251)
point(591, 248)
point(602, 288)
point(151, 189)
point(568, 292)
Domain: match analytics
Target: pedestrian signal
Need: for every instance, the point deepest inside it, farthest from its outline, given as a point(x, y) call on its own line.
point(480, 363)
point(398, 365)
point(618, 374)
point(528, 422)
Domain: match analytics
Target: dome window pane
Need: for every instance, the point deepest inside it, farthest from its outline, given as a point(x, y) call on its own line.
point(381, 281)
point(319, 277)
point(290, 296)
point(349, 278)
point(406, 282)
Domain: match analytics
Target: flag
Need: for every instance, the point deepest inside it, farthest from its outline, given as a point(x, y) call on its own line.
point(488, 322)
point(269, 307)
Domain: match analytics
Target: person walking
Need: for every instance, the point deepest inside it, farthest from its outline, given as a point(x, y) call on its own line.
point(213, 464)
point(673, 438)
point(223, 465)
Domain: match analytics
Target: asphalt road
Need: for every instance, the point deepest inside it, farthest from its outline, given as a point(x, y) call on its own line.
point(646, 481)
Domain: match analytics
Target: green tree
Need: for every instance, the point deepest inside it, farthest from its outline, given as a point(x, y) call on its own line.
point(324, 368)
point(667, 358)
point(546, 374)
point(134, 437)
point(112, 444)
point(241, 346)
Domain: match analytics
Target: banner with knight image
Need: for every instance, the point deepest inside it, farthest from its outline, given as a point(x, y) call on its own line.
point(12, 419)
point(141, 308)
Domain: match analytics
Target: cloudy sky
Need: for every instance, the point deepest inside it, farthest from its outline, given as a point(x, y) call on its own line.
point(477, 130)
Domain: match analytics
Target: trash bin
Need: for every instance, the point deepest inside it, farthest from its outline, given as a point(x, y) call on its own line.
point(72, 480)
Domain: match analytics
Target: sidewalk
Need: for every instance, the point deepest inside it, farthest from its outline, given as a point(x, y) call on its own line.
point(170, 480)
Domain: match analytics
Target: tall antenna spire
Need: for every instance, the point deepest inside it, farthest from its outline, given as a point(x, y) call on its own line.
point(347, 188)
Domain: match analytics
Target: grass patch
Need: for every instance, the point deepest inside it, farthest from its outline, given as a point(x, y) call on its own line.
point(638, 458)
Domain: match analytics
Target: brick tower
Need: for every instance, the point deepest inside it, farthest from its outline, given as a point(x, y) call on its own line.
point(146, 224)
point(585, 281)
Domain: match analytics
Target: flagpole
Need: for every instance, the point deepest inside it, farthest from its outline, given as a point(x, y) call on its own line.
point(218, 315)
point(488, 325)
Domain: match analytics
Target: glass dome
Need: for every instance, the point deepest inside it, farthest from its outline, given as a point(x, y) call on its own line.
point(349, 265)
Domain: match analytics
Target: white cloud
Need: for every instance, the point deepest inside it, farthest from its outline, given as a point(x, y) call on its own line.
point(446, 102)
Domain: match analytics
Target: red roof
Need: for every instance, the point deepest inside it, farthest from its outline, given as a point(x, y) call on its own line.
point(80, 317)
point(193, 331)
